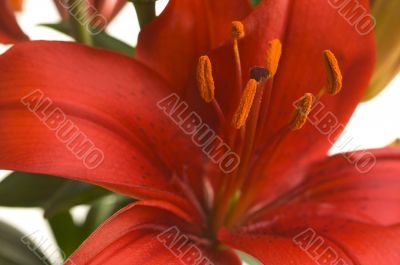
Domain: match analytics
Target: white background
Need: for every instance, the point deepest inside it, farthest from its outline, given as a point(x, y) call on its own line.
point(374, 124)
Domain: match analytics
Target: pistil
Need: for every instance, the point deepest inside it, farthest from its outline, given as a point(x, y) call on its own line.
point(273, 56)
point(229, 182)
point(260, 74)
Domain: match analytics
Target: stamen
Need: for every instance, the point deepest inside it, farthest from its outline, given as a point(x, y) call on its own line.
point(274, 52)
point(243, 110)
point(237, 30)
point(237, 34)
point(334, 82)
point(299, 116)
point(205, 79)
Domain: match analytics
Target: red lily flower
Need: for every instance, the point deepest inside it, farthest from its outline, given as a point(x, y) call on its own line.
point(296, 204)
point(108, 9)
point(10, 32)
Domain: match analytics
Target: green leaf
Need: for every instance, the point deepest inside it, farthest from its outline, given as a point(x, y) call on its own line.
point(248, 259)
point(27, 189)
point(101, 40)
point(54, 194)
point(71, 194)
point(18, 249)
point(255, 2)
point(66, 233)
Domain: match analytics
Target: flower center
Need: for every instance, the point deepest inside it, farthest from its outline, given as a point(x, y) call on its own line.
point(248, 122)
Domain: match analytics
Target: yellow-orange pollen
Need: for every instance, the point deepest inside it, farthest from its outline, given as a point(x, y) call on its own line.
point(334, 76)
point(205, 79)
point(238, 30)
point(303, 108)
point(274, 52)
point(243, 110)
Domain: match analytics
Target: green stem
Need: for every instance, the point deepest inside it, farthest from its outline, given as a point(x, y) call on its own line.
point(80, 22)
point(146, 11)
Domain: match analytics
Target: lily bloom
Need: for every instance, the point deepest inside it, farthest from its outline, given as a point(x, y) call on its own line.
point(108, 9)
point(286, 202)
point(99, 12)
point(10, 32)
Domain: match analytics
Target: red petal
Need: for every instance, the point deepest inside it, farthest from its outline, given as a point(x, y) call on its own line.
point(353, 243)
point(374, 194)
point(137, 235)
point(10, 32)
point(109, 8)
point(110, 98)
point(306, 30)
point(268, 249)
point(173, 42)
point(339, 188)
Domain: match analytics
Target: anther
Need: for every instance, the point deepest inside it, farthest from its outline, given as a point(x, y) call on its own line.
point(243, 110)
point(303, 108)
point(274, 52)
point(237, 30)
point(205, 79)
point(334, 80)
point(237, 34)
